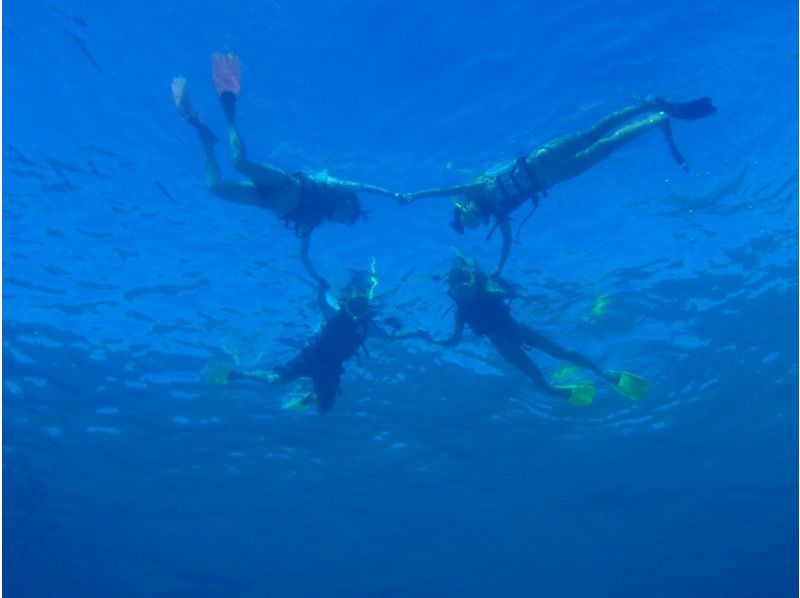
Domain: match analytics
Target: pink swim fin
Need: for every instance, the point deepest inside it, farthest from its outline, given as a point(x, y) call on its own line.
point(226, 72)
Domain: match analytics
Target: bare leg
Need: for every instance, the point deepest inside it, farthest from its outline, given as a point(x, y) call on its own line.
point(509, 347)
point(582, 161)
point(541, 342)
point(562, 148)
point(213, 176)
point(571, 155)
point(260, 174)
point(237, 192)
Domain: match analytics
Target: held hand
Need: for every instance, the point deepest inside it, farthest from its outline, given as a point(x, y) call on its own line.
point(268, 376)
point(403, 198)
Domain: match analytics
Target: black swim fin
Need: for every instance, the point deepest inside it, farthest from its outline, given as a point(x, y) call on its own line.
point(673, 148)
point(693, 110)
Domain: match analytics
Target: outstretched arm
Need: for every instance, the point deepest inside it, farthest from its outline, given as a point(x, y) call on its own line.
point(266, 376)
point(222, 373)
point(363, 187)
point(401, 336)
point(322, 300)
point(505, 232)
point(452, 340)
point(462, 190)
point(305, 242)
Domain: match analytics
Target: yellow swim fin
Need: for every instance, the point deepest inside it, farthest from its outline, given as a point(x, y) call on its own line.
point(600, 307)
point(216, 373)
point(632, 386)
point(580, 394)
point(298, 402)
point(565, 374)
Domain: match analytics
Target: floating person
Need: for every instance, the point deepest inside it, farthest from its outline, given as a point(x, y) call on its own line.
point(302, 201)
point(344, 331)
point(482, 303)
point(495, 195)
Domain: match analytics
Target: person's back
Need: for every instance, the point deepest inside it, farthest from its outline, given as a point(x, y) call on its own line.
point(337, 341)
point(481, 302)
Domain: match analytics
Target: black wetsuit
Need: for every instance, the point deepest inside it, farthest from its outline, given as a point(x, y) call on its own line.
point(322, 359)
point(489, 314)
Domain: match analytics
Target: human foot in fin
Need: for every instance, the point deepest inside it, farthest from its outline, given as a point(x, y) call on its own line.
point(226, 70)
point(662, 121)
point(630, 385)
point(299, 402)
point(183, 102)
point(691, 110)
point(216, 373)
point(581, 394)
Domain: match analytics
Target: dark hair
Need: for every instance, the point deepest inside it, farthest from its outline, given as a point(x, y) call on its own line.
point(357, 209)
point(350, 198)
point(358, 283)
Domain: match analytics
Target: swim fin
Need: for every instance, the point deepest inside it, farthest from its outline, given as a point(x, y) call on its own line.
point(692, 110)
point(632, 386)
point(216, 373)
point(565, 374)
point(580, 394)
point(181, 98)
point(226, 72)
point(268, 376)
point(673, 148)
point(185, 107)
point(298, 402)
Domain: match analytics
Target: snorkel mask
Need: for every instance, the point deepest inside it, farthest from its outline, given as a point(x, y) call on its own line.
point(462, 279)
point(467, 215)
point(358, 295)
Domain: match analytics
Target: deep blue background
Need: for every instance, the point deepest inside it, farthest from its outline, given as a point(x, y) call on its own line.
point(438, 473)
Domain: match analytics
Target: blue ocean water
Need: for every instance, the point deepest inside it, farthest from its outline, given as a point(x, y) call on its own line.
point(439, 472)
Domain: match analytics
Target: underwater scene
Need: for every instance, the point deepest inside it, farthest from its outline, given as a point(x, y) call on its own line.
point(383, 298)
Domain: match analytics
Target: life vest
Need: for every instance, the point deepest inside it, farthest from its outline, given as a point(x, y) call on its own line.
point(318, 200)
point(514, 185)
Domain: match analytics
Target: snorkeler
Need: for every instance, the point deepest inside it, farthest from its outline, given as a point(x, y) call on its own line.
point(343, 332)
point(495, 195)
point(482, 302)
point(301, 200)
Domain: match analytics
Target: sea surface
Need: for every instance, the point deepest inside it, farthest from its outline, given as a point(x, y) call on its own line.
point(440, 472)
